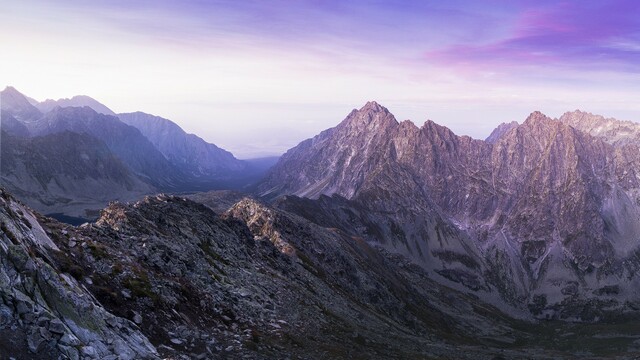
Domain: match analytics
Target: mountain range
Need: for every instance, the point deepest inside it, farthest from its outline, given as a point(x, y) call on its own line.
point(149, 153)
point(373, 239)
point(543, 212)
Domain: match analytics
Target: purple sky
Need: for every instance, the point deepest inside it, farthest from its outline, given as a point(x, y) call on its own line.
point(257, 77)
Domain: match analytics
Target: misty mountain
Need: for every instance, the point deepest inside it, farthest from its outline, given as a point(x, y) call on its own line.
point(186, 151)
point(76, 101)
point(125, 141)
point(66, 172)
point(164, 157)
point(17, 105)
point(13, 126)
point(502, 129)
point(546, 211)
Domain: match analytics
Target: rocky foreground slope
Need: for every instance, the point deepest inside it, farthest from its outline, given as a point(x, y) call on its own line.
point(544, 213)
point(167, 277)
point(46, 313)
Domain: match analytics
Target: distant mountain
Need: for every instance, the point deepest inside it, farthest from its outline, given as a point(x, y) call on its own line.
point(529, 214)
point(125, 141)
point(12, 126)
point(66, 172)
point(16, 104)
point(188, 152)
point(498, 132)
point(612, 131)
point(154, 150)
point(76, 101)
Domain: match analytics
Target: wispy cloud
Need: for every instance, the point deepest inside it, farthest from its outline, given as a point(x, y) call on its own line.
point(215, 66)
point(587, 35)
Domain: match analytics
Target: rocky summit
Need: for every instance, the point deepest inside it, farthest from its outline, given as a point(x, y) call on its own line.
point(542, 216)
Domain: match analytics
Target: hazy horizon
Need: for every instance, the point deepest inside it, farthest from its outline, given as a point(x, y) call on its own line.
point(256, 78)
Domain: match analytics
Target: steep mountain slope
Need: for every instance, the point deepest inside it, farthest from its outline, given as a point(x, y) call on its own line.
point(125, 141)
point(174, 161)
point(76, 101)
point(613, 131)
point(66, 172)
point(251, 282)
point(12, 126)
point(16, 104)
point(187, 151)
point(545, 210)
point(502, 129)
point(46, 314)
point(259, 282)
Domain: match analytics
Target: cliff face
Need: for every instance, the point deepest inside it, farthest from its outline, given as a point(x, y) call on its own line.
point(540, 208)
point(46, 313)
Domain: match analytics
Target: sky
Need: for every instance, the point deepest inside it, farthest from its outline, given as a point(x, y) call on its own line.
point(257, 77)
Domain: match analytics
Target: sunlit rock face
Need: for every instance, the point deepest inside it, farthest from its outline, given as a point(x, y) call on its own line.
point(545, 209)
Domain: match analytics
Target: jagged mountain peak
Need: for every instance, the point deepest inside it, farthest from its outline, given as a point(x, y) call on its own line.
point(10, 89)
point(76, 101)
point(17, 104)
point(373, 106)
point(537, 117)
point(579, 112)
point(371, 117)
point(613, 131)
point(432, 126)
point(541, 185)
point(500, 131)
point(581, 118)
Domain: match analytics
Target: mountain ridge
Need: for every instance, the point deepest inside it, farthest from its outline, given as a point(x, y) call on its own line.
point(75, 101)
point(187, 151)
point(173, 161)
point(535, 199)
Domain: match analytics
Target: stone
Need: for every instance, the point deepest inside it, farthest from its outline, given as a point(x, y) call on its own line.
point(70, 351)
point(24, 306)
point(89, 351)
point(137, 318)
point(69, 339)
point(123, 351)
point(126, 293)
point(6, 316)
point(35, 342)
point(45, 334)
point(57, 327)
